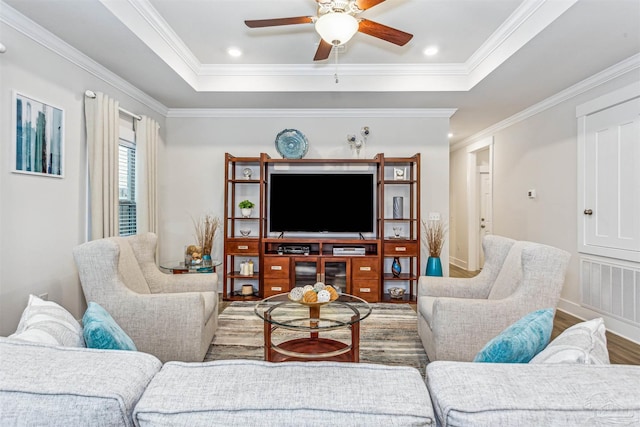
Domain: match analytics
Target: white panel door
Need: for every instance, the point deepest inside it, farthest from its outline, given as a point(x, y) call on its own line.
point(611, 216)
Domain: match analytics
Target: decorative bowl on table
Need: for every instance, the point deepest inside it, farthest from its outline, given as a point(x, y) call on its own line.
point(396, 292)
point(318, 294)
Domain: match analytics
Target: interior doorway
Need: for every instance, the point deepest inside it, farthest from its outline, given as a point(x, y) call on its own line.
point(485, 198)
point(479, 199)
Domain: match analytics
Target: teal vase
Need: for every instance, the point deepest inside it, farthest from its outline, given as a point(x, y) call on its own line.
point(434, 266)
point(396, 268)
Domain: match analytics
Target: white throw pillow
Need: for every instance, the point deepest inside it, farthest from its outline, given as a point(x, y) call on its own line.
point(46, 322)
point(584, 343)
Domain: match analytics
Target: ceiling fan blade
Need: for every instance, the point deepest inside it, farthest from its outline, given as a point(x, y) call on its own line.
point(323, 52)
point(383, 32)
point(367, 4)
point(259, 23)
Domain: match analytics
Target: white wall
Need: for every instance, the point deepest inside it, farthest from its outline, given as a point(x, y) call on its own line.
point(42, 218)
point(193, 159)
point(540, 153)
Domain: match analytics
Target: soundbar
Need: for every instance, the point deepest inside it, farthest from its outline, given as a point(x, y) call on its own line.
point(348, 250)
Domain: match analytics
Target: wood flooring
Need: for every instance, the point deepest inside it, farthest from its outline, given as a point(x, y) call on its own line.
point(621, 350)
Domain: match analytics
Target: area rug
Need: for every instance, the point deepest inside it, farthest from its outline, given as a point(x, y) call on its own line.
point(388, 336)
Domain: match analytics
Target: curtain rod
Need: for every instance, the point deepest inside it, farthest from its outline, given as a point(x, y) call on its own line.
point(91, 94)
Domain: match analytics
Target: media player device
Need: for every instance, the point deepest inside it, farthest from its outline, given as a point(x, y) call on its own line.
point(293, 249)
point(348, 250)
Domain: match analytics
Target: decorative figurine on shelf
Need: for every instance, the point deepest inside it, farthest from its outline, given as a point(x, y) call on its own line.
point(358, 145)
point(399, 174)
point(247, 172)
point(192, 255)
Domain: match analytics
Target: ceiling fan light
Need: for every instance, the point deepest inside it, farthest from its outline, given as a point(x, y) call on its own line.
point(336, 28)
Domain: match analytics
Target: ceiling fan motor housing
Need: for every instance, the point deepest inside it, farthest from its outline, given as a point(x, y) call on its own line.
point(337, 6)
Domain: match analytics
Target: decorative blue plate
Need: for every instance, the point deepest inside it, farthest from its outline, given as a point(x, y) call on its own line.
point(291, 144)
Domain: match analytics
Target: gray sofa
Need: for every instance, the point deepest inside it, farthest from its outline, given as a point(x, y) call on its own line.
point(69, 386)
point(554, 394)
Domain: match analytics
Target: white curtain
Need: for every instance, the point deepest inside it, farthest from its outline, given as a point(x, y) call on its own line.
point(146, 175)
point(102, 121)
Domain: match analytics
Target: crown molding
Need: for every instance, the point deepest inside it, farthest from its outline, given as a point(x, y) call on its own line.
point(630, 64)
point(343, 69)
point(531, 17)
point(162, 28)
point(310, 112)
point(526, 22)
point(508, 27)
point(145, 22)
point(40, 35)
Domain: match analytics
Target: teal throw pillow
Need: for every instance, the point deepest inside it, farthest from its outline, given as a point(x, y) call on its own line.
point(102, 331)
point(520, 342)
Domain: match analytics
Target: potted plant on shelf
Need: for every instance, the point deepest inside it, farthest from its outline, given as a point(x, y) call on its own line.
point(246, 207)
point(434, 236)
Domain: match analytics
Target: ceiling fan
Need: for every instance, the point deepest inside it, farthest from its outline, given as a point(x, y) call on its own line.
point(336, 23)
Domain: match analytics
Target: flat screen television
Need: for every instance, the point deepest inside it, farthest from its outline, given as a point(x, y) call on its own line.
point(321, 202)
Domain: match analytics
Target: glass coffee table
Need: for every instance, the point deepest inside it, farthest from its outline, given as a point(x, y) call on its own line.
point(292, 330)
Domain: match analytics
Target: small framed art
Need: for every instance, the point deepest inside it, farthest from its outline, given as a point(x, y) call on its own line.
point(38, 137)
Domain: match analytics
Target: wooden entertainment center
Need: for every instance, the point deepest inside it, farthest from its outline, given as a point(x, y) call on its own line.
point(357, 265)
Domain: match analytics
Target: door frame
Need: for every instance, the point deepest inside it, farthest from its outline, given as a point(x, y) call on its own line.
point(482, 171)
point(473, 223)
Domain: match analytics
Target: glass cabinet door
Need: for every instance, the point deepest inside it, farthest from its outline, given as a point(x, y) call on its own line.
point(305, 271)
point(308, 271)
point(334, 273)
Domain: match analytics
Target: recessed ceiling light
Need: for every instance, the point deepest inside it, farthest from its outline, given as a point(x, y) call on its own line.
point(450, 135)
point(234, 51)
point(431, 50)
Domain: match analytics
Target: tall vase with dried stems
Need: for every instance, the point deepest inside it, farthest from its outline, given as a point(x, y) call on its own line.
point(434, 234)
point(205, 231)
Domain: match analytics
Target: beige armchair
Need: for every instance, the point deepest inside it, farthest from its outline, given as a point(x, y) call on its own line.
point(457, 317)
point(173, 317)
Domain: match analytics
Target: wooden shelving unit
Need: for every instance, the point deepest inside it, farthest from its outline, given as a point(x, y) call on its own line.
point(368, 276)
point(400, 177)
point(238, 248)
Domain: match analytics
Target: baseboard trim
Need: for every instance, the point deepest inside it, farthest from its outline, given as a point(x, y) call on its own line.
point(458, 263)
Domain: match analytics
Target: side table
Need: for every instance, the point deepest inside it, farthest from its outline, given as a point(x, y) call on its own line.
point(178, 267)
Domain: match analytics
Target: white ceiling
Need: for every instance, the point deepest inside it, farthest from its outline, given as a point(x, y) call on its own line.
point(496, 57)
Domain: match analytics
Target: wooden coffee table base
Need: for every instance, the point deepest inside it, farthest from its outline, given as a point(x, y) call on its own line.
point(313, 348)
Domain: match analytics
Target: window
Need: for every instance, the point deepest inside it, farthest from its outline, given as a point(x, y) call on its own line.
point(127, 182)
